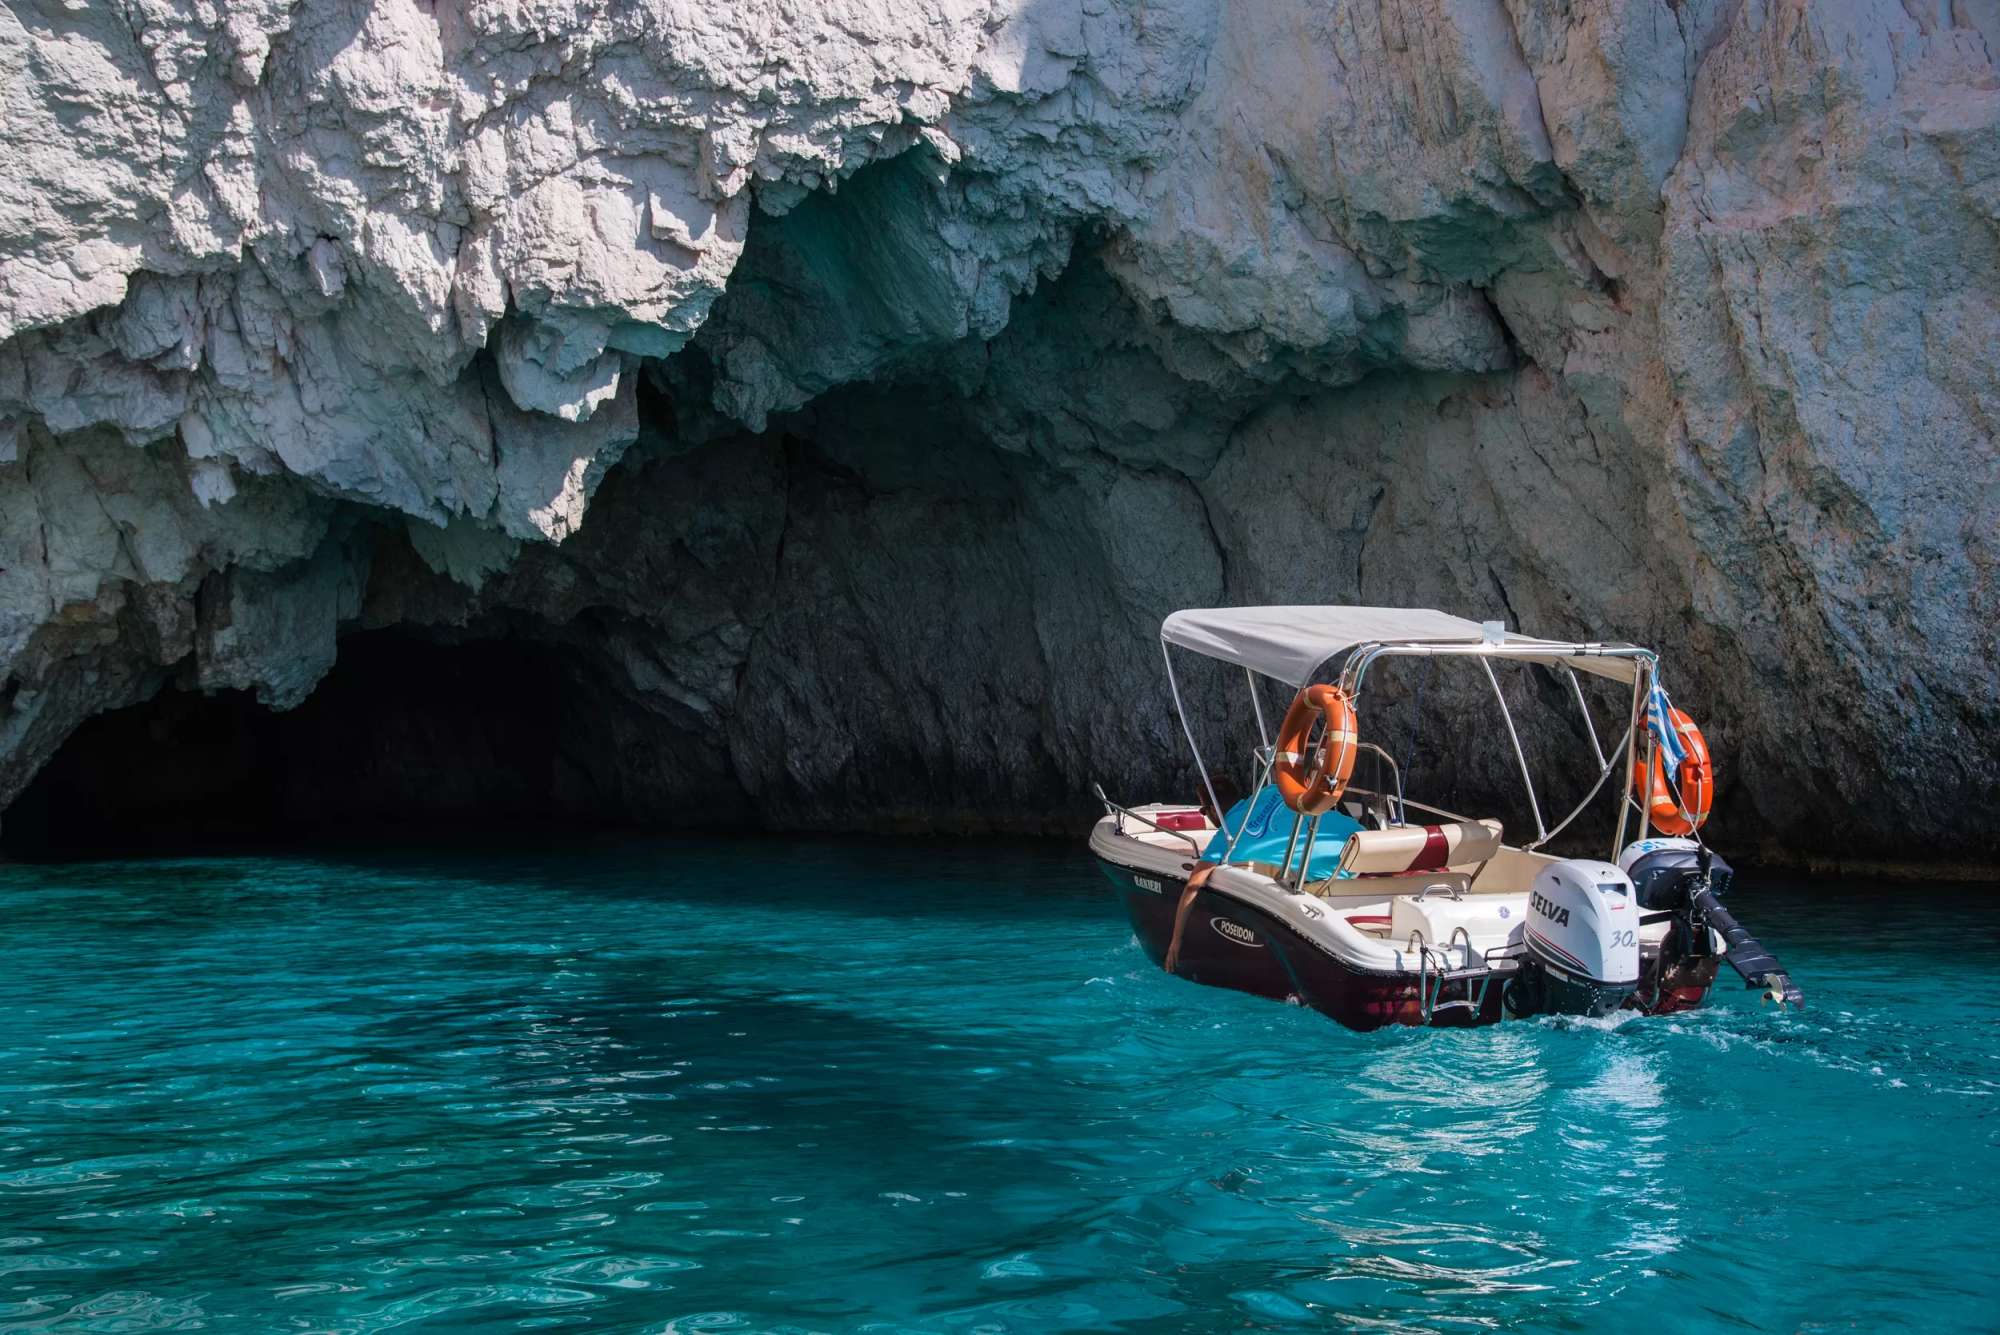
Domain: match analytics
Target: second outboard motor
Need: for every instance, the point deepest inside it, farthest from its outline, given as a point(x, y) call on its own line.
point(1582, 942)
point(1680, 877)
point(1661, 869)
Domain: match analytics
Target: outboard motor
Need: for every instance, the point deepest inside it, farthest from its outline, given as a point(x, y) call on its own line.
point(1661, 870)
point(1685, 879)
point(1581, 939)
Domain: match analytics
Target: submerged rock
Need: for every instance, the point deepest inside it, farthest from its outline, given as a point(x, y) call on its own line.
point(846, 393)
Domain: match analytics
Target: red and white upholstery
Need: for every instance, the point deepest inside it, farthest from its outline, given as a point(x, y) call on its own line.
point(1420, 848)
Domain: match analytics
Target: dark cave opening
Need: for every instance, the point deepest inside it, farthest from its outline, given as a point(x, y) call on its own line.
point(405, 739)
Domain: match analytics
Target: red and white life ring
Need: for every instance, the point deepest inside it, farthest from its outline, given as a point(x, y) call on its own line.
point(1311, 785)
point(1685, 812)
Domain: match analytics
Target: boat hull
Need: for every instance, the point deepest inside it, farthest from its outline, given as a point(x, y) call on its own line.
point(1229, 943)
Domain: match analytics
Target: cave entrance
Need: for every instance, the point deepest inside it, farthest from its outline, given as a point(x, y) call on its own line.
point(406, 738)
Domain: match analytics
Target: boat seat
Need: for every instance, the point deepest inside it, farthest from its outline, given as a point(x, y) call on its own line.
point(1455, 883)
point(1511, 872)
point(1405, 850)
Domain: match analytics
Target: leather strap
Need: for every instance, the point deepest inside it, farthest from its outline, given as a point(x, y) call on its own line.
point(1436, 851)
point(1195, 881)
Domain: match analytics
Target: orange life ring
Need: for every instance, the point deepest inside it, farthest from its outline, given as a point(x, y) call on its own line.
point(1312, 789)
point(1682, 813)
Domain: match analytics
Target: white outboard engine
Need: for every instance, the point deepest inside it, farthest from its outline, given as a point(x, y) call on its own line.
point(1581, 939)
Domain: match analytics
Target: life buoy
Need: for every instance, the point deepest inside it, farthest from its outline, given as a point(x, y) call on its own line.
point(1682, 814)
point(1311, 785)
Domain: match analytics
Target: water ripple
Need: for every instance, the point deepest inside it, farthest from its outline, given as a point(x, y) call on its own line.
point(896, 1088)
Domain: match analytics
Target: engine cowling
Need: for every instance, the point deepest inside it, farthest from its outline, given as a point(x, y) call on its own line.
point(1661, 870)
point(1581, 939)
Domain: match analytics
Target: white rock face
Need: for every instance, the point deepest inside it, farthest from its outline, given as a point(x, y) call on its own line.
point(1667, 320)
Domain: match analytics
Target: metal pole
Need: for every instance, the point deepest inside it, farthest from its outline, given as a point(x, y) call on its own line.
point(1174, 687)
point(1305, 863)
point(1291, 846)
point(1588, 797)
point(1527, 779)
point(1263, 781)
point(1263, 733)
point(1589, 725)
point(1646, 799)
point(1639, 674)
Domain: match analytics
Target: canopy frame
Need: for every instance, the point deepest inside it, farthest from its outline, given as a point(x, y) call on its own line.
point(1293, 645)
point(1618, 661)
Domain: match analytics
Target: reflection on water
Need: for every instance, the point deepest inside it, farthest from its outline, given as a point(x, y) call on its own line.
point(735, 1087)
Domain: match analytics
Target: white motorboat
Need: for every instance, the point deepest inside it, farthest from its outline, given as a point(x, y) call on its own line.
point(1376, 908)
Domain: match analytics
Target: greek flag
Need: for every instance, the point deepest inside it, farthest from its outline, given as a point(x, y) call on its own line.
point(1660, 718)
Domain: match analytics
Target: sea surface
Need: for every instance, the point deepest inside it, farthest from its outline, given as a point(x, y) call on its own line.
point(750, 1086)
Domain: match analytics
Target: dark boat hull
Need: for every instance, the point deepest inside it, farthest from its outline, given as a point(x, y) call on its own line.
point(1228, 943)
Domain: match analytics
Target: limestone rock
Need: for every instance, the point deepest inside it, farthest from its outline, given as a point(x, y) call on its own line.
point(948, 345)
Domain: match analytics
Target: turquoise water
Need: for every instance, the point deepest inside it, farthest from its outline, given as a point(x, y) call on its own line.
point(755, 1086)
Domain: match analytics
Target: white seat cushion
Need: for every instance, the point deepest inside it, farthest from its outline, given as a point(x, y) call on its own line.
point(1418, 848)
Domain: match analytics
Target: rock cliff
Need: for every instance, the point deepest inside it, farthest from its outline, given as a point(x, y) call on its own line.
point(842, 392)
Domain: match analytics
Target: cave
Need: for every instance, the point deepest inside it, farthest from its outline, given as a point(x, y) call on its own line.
point(406, 739)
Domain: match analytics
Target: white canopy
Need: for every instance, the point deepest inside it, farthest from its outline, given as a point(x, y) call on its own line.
point(1291, 643)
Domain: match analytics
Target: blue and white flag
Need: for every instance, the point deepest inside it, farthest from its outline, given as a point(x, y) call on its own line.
point(1660, 719)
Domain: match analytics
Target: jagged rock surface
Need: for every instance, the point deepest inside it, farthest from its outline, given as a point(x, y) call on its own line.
point(953, 344)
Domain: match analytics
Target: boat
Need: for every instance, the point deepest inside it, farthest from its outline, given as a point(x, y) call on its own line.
point(1375, 908)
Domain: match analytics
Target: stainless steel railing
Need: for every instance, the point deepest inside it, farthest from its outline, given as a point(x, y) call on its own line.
point(1125, 813)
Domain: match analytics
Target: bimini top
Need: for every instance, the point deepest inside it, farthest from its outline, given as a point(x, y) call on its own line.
point(1290, 644)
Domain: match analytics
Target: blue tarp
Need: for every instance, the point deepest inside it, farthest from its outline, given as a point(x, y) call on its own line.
point(1270, 829)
